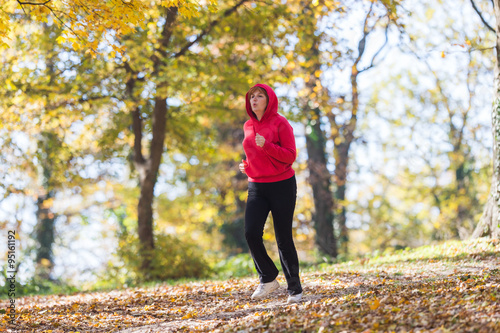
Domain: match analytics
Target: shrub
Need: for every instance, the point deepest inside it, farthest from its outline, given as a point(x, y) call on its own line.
point(236, 266)
point(172, 258)
point(37, 286)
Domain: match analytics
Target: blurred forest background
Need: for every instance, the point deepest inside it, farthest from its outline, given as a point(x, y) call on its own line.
point(121, 135)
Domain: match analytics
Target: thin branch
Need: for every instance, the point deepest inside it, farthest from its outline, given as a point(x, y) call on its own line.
point(379, 50)
point(92, 11)
point(34, 3)
point(137, 130)
point(482, 49)
point(53, 11)
point(465, 113)
point(481, 15)
point(22, 7)
point(209, 28)
point(137, 125)
point(62, 22)
point(362, 42)
point(164, 41)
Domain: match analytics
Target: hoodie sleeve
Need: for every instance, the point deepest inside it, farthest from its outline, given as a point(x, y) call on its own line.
point(284, 152)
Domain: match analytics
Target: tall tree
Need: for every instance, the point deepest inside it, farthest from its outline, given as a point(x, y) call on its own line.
point(430, 152)
point(489, 224)
point(343, 133)
point(167, 47)
point(214, 186)
point(40, 85)
point(319, 176)
point(329, 116)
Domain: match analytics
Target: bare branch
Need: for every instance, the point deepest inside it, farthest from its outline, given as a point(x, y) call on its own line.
point(481, 16)
point(53, 11)
point(379, 50)
point(34, 3)
point(137, 125)
point(137, 129)
point(366, 32)
point(209, 28)
point(22, 7)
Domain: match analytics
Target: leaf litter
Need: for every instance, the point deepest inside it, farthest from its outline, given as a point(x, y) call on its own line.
point(435, 293)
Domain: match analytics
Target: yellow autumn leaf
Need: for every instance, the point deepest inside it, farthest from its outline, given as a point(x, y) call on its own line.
point(60, 39)
point(45, 262)
point(9, 84)
point(189, 315)
point(76, 46)
point(374, 304)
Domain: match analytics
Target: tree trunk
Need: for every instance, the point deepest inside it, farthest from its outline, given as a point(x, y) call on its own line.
point(234, 229)
point(44, 235)
point(489, 223)
point(459, 228)
point(486, 226)
point(341, 152)
point(148, 167)
point(148, 173)
point(319, 178)
point(48, 145)
point(341, 162)
point(343, 135)
point(145, 220)
point(319, 175)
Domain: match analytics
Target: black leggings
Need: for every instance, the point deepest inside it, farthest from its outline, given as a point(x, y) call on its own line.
point(279, 198)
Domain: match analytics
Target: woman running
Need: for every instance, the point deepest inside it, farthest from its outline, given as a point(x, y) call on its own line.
point(269, 146)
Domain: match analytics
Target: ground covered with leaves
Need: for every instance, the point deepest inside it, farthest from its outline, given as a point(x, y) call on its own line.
point(450, 287)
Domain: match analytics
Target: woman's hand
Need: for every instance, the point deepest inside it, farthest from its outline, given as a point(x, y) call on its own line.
point(259, 140)
point(243, 166)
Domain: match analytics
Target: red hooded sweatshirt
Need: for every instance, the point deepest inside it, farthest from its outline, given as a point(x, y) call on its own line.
point(272, 162)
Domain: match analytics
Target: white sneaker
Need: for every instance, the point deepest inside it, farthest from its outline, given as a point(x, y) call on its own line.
point(265, 289)
point(294, 298)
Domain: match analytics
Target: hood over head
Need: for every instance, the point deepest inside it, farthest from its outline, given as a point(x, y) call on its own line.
point(272, 106)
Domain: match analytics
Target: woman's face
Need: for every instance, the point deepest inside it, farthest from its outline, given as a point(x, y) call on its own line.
point(258, 102)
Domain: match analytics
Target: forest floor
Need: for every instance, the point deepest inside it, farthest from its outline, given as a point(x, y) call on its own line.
point(452, 287)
